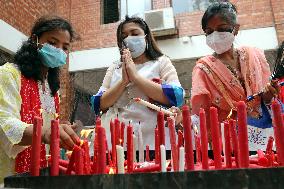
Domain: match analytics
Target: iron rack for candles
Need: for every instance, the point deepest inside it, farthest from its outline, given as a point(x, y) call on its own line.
point(229, 178)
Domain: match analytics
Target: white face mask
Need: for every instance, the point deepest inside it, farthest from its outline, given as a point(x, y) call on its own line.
point(220, 42)
point(136, 45)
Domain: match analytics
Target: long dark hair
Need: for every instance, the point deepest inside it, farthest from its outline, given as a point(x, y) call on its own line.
point(27, 57)
point(152, 50)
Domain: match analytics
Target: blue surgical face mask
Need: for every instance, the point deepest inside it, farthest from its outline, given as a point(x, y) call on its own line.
point(136, 45)
point(52, 57)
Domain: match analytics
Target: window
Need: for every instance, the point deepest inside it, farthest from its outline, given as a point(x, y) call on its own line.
point(114, 10)
point(110, 12)
point(181, 6)
point(134, 7)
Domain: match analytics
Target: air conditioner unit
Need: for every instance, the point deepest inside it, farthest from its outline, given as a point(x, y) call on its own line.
point(161, 21)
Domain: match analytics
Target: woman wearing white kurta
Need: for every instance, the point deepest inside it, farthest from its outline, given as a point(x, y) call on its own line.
point(141, 64)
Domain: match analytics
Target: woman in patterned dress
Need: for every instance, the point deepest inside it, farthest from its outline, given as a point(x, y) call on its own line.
point(28, 88)
point(232, 74)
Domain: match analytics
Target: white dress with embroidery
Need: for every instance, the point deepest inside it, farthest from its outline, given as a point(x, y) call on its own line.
point(127, 110)
point(11, 126)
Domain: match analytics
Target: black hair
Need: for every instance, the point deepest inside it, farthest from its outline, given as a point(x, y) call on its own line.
point(27, 57)
point(278, 71)
point(226, 10)
point(152, 50)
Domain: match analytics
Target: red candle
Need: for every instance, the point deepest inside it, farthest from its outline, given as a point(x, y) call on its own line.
point(98, 122)
point(215, 130)
point(235, 143)
point(174, 149)
point(180, 139)
point(268, 151)
point(262, 160)
point(79, 160)
point(161, 127)
point(278, 131)
point(149, 169)
point(157, 147)
point(54, 148)
point(129, 149)
point(147, 153)
point(95, 167)
point(63, 163)
point(36, 143)
point(122, 126)
point(204, 139)
point(101, 151)
point(243, 135)
point(117, 131)
point(227, 145)
point(71, 163)
point(113, 142)
point(95, 164)
point(189, 157)
point(197, 147)
point(87, 160)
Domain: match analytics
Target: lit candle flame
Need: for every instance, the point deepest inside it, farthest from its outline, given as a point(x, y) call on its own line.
point(40, 111)
point(111, 171)
point(120, 142)
point(81, 142)
point(230, 114)
point(56, 115)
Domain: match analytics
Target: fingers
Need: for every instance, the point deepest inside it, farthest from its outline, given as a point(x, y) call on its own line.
point(63, 145)
point(126, 56)
point(271, 89)
point(72, 134)
point(65, 141)
point(68, 137)
point(65, 122)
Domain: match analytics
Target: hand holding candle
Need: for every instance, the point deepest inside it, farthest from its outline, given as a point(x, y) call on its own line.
point(153, 106)
point(68, 138)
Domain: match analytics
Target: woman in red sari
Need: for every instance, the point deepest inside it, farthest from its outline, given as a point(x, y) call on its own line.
point(231, 74)
point(29, 88)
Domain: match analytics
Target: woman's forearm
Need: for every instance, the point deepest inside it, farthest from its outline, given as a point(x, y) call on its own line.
point(151, 89)
point(111, 95)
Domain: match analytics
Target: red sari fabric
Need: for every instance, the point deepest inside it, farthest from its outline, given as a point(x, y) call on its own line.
point(30, 108)
point(282, 92)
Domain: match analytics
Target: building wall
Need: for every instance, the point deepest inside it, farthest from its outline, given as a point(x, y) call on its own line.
point(21, 14)
point(86, 17)
point(278, 16)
